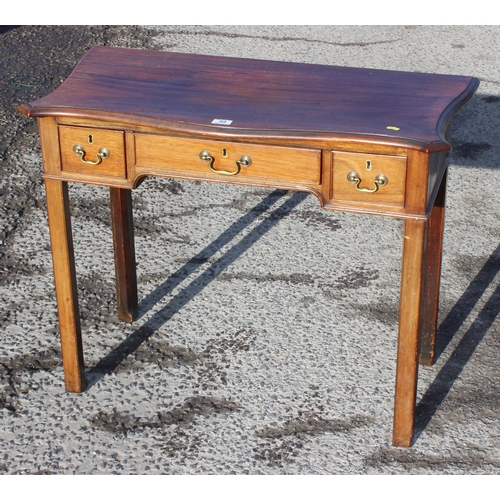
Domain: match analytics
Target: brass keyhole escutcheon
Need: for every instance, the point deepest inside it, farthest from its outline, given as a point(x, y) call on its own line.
point(224, 153)
point(368, 165)
point(91, 139)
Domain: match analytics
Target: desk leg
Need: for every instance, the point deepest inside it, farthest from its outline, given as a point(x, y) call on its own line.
point(432, 270)
point(123, 243)
point(65, 281)
point(409, 326)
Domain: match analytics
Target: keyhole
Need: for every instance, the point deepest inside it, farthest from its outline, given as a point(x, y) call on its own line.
point(368, 165)
point(91, 139)
point(224, 153)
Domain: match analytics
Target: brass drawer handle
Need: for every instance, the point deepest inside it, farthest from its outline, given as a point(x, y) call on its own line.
point(101, 155)
point(244, 161)
point(380, 181)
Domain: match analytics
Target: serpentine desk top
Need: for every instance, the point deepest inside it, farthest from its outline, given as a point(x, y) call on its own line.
point(260, 98)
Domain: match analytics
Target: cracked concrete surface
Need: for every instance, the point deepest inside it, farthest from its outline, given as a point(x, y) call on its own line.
point(267, 331)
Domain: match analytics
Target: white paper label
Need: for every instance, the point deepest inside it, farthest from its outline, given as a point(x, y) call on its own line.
point(218, 121)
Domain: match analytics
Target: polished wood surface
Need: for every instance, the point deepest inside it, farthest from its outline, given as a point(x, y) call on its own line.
point(92, 140)
point(65, 280)
point(368, 167)
point(432, 277)
point(293, 165)
point(261, 98)
point(409, 327)
point(124, 252)
point(299, 126)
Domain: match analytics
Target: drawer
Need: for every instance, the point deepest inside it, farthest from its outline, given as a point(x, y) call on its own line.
point(229, 160)
point(102, 152)
point(368, 178)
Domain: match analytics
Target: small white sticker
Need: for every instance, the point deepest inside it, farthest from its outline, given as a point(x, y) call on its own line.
point(217, 121)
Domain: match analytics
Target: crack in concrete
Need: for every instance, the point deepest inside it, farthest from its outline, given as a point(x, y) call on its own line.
point(494, 82)
point(278, 39)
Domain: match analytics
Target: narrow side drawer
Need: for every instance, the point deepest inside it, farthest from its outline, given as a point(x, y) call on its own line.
point(92, 140)
point(368, 168)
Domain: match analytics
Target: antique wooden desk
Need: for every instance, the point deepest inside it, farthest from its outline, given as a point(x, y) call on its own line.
point(360, 140)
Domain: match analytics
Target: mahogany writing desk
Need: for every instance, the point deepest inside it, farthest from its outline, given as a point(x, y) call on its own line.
point(360, 140)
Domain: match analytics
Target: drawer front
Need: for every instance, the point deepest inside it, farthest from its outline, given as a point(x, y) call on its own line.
point(227, 160)
point(369, 178)
point(101, 152)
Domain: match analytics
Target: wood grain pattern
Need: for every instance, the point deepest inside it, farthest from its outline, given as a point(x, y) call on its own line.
point(173, 154)
point(432, 278)
point(65, 281)
point(417, 183)
point(49, 137)
point(149, 87)
point(409, 328)
point(113, 140)
point(124, 252)
point(393, 167)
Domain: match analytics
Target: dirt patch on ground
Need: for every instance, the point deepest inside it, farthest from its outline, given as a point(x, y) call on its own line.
point(282, 444)
point(15, 373)
point(122, 423)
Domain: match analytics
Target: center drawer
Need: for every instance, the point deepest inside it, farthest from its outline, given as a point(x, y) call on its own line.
point(230, 160)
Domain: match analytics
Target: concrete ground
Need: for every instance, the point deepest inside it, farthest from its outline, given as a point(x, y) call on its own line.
point(267, 336)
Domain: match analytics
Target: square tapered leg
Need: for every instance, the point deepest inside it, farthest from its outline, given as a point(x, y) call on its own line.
point(65, 282)
point(124, 250)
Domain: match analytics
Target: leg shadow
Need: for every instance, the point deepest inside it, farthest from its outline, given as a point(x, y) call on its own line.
point(442, 384)
point(202, 257)
point(461, 310)
point(129, 345)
